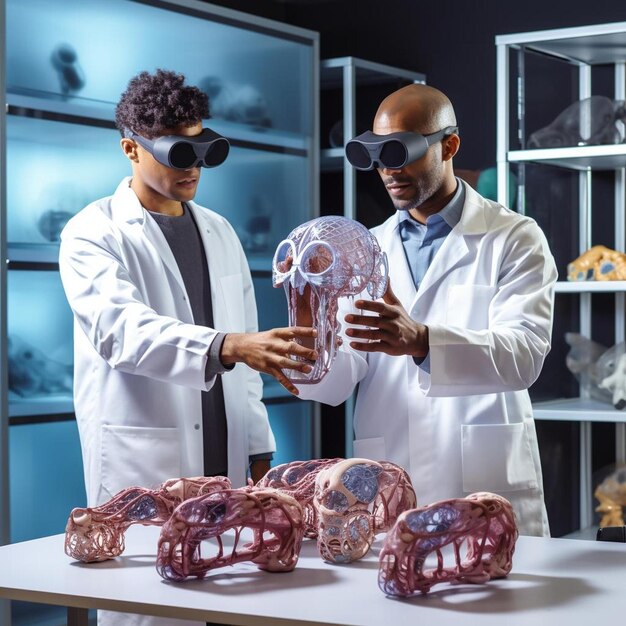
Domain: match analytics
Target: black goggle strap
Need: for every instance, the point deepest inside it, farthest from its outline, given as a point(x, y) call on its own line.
point(146, 144)
point(440, 134)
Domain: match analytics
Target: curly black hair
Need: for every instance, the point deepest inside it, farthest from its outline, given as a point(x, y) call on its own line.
point(153, 102)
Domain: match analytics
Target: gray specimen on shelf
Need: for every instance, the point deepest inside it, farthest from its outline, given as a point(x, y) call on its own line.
point(32, 373)
point(51, 223)
point(601, 371)
point(235, 102)
point(591, 121)
point(64, 59)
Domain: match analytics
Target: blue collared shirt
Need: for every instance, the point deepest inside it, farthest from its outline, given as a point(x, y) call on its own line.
point(421, 242)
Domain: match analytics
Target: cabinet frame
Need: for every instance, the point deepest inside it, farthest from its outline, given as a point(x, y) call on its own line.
point(583, 47)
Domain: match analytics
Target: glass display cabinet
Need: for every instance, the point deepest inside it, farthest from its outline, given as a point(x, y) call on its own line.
point(66, 64)
point(571, 179)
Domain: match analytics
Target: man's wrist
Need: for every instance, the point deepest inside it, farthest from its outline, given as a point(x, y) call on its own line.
point(422, 347)
point(228, 352)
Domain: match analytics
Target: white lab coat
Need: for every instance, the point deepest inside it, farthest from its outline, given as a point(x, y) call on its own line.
point(466, 426)
point(140, 360)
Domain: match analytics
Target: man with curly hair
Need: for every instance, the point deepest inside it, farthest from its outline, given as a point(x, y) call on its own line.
point(167, 351)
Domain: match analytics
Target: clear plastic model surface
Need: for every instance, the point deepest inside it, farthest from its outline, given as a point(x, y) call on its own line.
point(97, 534)
point(274, 517)
point(598, 263)
point(611, 494)
point(298, 480)
point(485, 522)
point(590, 121)
point(325, 259)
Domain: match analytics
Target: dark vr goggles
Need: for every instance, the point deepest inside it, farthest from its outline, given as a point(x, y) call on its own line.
point(393, 151)
point(208, 149)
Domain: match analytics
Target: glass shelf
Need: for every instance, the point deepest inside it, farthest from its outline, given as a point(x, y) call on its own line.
point(366, 72)
point(590, 286)
point(50, 404)
point(577, 410)
point(247, 72)
point(595, 44)
point(604, 157)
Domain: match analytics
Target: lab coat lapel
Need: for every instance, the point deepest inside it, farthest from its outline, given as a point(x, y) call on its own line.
point(128, 213)
point(399, 271)
point(215, 257)
point(455, 247)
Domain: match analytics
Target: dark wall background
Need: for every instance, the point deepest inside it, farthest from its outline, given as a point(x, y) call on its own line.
point(453, 43)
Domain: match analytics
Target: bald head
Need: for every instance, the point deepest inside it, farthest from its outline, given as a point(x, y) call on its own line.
point(418, 108)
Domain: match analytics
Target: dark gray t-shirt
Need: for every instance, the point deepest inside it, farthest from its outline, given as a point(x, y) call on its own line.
point(185, 242)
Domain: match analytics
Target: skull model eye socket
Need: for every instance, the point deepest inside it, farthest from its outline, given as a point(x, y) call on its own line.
point(317, 260)
point(284, 251)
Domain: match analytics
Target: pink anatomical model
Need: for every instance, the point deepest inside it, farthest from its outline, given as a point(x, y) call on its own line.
point(275, 519)
point(344, 500)
point(97, 534)
point(395, 495)
point(484, 522)
point(322, 260)
point(298, 480)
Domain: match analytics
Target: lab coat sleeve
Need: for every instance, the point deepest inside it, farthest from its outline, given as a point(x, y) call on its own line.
point(509, 353)
point(260, 436)
point(129, 335)
point(347, 369)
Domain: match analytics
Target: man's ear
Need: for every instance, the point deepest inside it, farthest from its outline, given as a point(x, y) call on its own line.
point(129, 148)
point(451, 145)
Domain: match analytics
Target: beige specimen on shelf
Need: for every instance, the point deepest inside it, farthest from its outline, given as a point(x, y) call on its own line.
point(611, 493)
point(598, 263)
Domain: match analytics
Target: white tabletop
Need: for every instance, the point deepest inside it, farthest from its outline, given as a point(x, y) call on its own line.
point(556, 582)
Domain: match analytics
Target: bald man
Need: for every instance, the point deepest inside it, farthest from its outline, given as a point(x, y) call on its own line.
point(443, 363)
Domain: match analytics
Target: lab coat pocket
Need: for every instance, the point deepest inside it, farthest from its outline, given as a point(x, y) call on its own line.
point(138, 457)
point(372, 448)
point(497, 457)
point(468, 306)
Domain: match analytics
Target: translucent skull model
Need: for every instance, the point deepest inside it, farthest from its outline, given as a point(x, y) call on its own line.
point(97, 534)
point(484, 522)
point(275, 519)
point(334, 257)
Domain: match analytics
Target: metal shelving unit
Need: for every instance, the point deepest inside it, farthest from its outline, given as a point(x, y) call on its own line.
point(582, 48)
point(348, 73)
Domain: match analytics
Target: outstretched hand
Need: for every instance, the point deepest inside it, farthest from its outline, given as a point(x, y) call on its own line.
point(391, 330)
point(270, 352)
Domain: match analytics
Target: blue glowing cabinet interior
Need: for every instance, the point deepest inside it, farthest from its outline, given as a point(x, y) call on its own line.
point(67, 62)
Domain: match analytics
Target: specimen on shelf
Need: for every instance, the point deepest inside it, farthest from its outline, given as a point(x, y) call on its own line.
point(611, 494)
point(598, 263)
point(591, 121)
